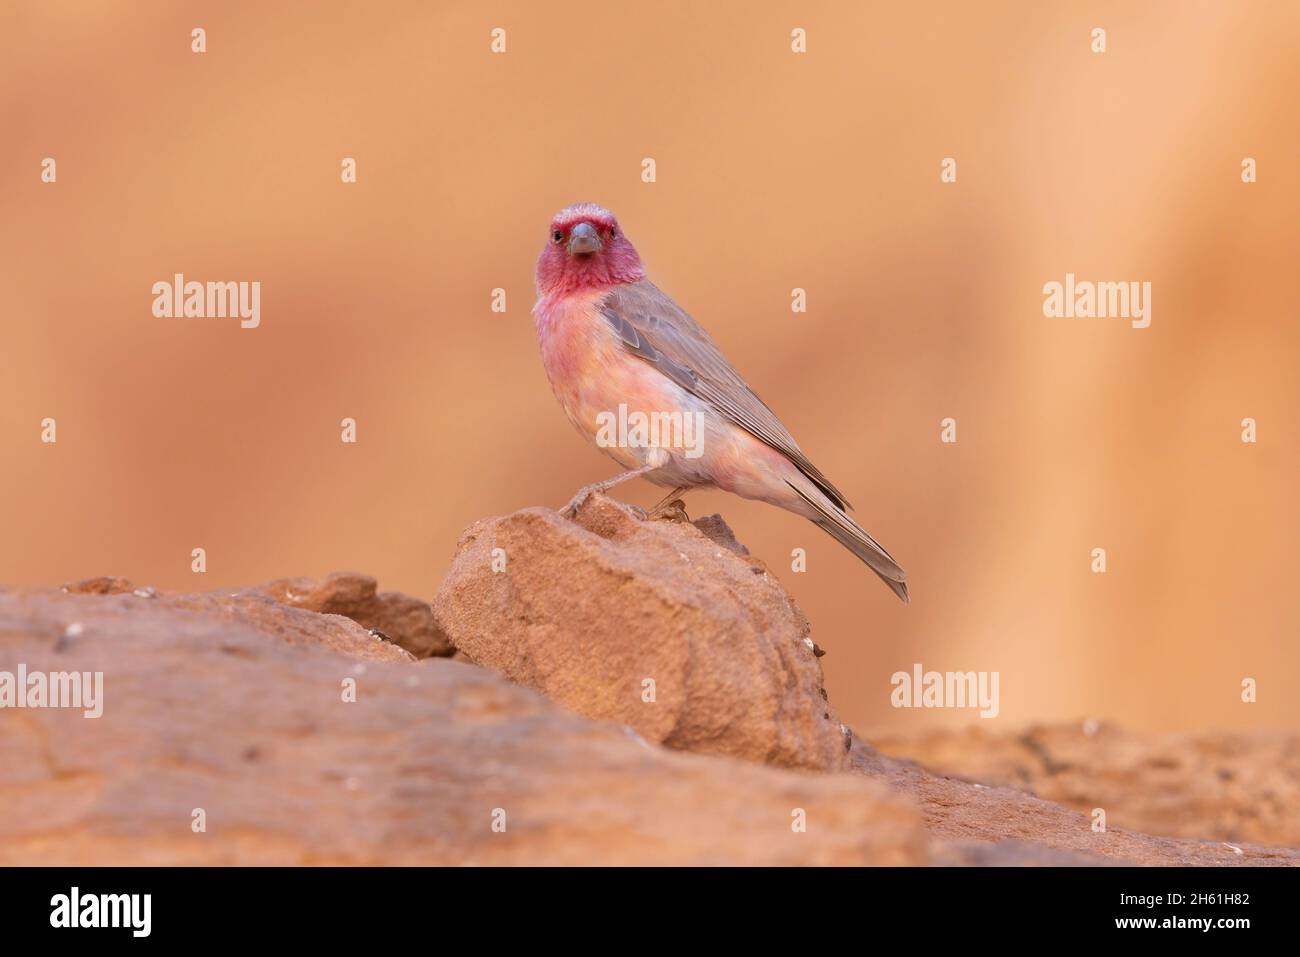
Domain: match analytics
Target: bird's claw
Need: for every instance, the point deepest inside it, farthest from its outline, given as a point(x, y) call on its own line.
point(570, 511)
point(674, 511)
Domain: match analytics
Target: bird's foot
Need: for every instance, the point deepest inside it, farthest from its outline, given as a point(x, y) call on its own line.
point(670, 508)
point(570, 511)
point(674, 511)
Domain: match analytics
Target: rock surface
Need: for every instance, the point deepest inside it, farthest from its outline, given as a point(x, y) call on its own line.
point(232, 706)
point(1228, 787)
point(406, 621)
point(235, 707)
point(123, 605)
point(400, 619)
point(972, 823)
point(599, 612)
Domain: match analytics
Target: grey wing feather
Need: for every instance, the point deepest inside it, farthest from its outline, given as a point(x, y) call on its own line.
point(656, 329)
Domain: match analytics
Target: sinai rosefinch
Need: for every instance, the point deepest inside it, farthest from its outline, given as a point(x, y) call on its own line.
point(613, 344)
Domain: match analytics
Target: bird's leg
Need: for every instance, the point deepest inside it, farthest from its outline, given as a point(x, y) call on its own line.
point(670, 507)
point(570, 510)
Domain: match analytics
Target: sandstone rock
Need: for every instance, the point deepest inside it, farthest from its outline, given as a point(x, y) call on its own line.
point(391, 616)
point(1229, 787)
point(234, 707)
point(125, 604)
point(232, 704)
point(590, 611)
point(103, 585)
point(972, 823)
point(406, 621)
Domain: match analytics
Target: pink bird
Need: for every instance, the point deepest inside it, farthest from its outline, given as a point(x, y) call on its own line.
point(615, 348)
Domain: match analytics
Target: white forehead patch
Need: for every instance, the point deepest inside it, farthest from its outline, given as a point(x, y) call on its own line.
point(583, 211)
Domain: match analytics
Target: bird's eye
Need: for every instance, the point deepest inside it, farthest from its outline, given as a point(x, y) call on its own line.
point(613, 233)
point(558, 235)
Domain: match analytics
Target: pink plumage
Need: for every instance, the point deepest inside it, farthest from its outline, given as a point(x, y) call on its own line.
point(619, 354)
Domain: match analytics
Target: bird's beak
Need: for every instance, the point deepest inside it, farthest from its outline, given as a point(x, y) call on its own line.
point(584, 239)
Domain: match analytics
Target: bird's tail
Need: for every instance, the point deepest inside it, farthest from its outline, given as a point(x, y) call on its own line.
point(836, 523)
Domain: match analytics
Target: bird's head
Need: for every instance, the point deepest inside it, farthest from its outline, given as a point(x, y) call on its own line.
point(586, 249)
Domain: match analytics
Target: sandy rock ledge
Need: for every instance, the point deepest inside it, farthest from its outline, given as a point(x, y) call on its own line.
point(235, 707)
point(282, 716)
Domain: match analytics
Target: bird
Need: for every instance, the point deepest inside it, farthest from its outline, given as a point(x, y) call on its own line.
point(614, 345)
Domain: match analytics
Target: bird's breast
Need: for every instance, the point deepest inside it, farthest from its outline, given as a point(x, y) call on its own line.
point(581, 355)
point(597, 381)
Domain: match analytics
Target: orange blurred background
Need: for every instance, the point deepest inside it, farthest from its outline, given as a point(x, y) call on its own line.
point(774, 171)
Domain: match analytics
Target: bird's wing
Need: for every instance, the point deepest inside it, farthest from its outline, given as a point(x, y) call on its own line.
point(654, 328)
